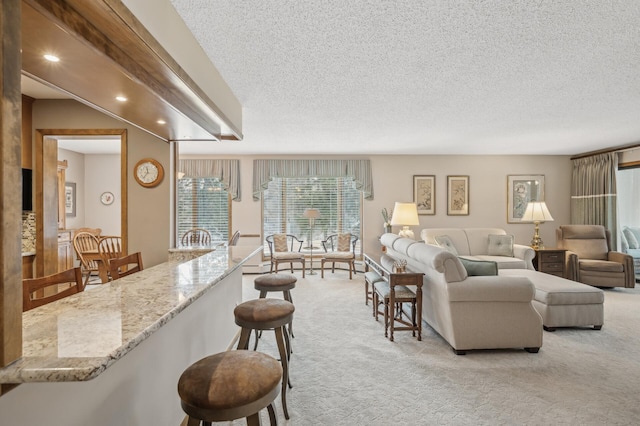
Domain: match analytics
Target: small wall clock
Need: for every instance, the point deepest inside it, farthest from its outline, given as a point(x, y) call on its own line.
point(107, 198)
point(148, 172)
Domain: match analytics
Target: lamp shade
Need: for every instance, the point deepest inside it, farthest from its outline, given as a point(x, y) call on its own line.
point(405, 214)
point(537, 211)
point(311, 213)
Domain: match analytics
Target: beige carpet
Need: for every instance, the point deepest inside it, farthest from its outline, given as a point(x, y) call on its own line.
point(345, 372)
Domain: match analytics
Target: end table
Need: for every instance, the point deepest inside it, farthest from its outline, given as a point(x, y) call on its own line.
point(550, 261)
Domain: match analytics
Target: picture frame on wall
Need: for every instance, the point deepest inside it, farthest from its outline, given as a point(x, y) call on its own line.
point(424, 194)
point(458, 195)
point(521, 189)
point(70, 199)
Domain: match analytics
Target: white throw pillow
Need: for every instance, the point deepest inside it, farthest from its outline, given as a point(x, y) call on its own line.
point(631, 238)
point(445, 242)
point(500, 245)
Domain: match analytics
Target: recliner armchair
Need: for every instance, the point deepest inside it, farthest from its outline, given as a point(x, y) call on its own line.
point(590, 259)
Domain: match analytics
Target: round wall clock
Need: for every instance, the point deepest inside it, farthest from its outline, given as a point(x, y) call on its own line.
point(148, 172)
point(107, 198)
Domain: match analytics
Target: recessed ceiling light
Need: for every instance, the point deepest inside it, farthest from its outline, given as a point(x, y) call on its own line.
point(161, 122)
point(121, 99)
point(51, 58)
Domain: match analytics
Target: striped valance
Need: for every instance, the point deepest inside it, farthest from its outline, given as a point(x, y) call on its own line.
point(359, 170)
point(227, 171)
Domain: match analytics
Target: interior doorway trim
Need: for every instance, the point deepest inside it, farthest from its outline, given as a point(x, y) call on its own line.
point(46, 193)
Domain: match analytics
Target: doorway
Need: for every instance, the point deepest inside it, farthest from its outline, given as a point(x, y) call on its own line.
point(48, 195)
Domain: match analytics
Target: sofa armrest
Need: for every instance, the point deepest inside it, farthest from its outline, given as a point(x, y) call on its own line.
point(525, 253)
point(629, 270)
point(571, 266)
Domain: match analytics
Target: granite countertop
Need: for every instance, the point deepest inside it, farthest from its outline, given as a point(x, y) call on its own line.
point(78, 337)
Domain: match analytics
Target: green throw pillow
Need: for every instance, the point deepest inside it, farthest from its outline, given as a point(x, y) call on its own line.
point(479, 267)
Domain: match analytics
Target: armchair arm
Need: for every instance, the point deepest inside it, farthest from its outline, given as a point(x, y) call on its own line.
point(627, 262)
point(571, 266)
point(525, 253)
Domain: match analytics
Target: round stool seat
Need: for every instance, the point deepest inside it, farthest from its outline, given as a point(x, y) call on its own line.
point(275, 282)
point(229, 385)
point(264, 314)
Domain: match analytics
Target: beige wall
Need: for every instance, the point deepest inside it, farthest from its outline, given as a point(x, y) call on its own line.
point(393, 181)
point(148, 208)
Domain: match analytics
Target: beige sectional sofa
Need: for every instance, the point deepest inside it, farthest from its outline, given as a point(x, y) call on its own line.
point(470, 312)
point(481, 244)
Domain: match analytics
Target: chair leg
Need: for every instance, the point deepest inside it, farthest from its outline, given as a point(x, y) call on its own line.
point(243, 342)
point(350, 275)
point(304, 267)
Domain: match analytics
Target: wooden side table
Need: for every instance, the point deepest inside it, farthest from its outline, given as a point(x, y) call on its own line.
point(550, 261)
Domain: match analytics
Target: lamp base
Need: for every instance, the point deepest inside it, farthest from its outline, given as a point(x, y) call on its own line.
point(536, 241)
point(407, 233)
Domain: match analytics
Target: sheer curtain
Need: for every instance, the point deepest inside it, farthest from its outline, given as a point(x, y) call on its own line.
point(593, 192)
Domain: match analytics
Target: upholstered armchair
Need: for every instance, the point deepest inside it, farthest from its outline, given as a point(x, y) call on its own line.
point(590, 259)
point(339, 248)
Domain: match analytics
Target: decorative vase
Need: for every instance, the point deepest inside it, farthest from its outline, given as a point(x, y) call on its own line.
point(387, 229)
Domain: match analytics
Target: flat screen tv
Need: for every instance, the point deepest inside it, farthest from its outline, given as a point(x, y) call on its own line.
point(27, 196)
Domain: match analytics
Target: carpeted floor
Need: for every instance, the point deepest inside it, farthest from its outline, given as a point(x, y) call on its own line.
point(345, 372)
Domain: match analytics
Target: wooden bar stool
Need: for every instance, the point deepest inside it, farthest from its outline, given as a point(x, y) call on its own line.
point(276, 282)
point(230, 385)
point(268, 314)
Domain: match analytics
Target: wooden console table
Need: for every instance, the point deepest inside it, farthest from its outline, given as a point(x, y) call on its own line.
point(382, 264)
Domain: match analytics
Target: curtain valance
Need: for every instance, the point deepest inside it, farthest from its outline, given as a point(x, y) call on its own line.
point(359, 170)
point(227, 171)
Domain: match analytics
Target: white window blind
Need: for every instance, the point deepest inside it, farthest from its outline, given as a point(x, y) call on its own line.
point(337, 199)
point(203, 203)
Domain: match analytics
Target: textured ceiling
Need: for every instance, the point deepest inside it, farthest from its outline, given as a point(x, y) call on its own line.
point(425, 77)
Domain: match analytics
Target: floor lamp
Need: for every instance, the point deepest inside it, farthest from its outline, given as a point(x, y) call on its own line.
point(312, 215)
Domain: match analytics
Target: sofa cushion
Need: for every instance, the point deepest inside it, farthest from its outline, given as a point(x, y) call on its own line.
point(458, 237)
point(634, 252)
point(631, 238)
point(504, 262)
point(479, 267)
point(500, 245)
point(553, 290)
point(445, 242)
point(600, 266)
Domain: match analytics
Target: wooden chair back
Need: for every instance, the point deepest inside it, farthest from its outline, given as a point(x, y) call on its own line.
point(37, 291)
point(234, 238)
point(86, 246)
point(293, 244)
point(333, 243)
point(196, 237)
point(122, 266)
point(109, 248)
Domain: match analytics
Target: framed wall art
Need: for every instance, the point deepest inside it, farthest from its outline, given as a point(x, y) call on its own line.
point(520, 190)
point(458, 195)
point(70, 199)
point(424, 193)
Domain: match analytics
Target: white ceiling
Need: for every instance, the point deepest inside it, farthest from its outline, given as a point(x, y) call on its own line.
point(425, 77)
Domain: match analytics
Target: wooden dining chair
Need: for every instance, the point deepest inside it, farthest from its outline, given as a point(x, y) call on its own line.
point(109, 247)
point(85, 244)
point(40, 291)
point(196, 237)
point(234, 238)
point(122, 266)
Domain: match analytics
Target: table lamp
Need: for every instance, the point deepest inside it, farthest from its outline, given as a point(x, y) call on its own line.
point(405, 215)
point(537, 212)
point(311, 214)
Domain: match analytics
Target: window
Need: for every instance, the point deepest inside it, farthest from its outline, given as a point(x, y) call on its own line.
point(286, 199)
point(203, 203)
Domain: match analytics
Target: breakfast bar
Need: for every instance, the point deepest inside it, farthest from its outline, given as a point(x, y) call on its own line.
point(113, 354)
